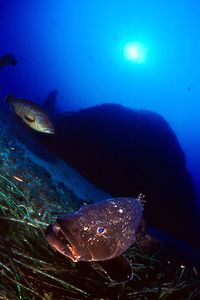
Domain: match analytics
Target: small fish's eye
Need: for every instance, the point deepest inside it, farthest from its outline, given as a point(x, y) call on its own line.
point(101, 230)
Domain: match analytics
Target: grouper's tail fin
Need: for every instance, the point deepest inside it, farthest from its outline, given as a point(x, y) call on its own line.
point(9, 98)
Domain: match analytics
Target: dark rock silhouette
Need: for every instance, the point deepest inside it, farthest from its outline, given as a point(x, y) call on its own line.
point(7, 60)
point(127, 152)
point(50, 102)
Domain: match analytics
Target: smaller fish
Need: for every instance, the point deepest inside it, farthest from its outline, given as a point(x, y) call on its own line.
point(7, 60)
point(31, 114)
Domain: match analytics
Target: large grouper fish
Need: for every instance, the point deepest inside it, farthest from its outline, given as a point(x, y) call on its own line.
point(102, 231)
point(31, 114)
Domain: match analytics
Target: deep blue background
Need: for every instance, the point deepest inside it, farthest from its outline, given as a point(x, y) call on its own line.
point(76, 46)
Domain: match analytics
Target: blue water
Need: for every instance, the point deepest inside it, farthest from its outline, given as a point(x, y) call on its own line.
point(77, 47)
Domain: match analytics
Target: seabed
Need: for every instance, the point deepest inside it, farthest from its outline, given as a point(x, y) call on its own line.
point(30, 199)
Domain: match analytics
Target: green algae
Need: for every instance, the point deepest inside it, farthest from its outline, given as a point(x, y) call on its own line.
point(30, 269)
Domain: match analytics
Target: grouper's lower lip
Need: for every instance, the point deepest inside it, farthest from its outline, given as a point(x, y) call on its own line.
point(58, 241)
point(70, 243)
point(70, 240)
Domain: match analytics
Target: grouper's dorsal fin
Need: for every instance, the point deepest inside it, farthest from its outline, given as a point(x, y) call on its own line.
point(29, 119)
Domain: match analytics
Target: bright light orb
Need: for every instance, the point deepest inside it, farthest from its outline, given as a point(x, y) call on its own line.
point(135, 52)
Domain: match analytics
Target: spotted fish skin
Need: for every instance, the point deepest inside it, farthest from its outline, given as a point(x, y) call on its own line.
point(31, 114)
point(99, 231)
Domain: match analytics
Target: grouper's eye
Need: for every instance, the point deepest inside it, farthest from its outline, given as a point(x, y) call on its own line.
point(101, 230)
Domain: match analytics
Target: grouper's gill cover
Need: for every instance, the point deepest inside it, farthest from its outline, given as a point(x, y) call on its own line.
point(99, 231)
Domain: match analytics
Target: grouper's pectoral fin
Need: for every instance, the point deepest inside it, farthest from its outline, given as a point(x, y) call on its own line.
point(150, 245)
point(118, 268)
point(29, 119)
point(146, 242)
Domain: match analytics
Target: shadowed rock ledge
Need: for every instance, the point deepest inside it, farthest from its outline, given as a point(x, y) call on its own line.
point(126, 152)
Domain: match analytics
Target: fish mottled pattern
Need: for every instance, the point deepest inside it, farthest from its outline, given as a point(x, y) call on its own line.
point(98, 231)
point(31, 114)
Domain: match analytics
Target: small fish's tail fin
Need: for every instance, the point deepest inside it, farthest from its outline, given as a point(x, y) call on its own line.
point(9, 98)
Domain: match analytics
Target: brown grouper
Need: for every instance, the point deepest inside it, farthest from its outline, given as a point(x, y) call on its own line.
point(31, 114)
point(99, 232)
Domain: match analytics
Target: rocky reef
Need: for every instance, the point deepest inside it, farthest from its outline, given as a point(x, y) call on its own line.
point(35, 189)
point(127, 152)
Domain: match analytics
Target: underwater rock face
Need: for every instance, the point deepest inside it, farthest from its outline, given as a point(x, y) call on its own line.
point(127, 152)
point(29, 269)
point(50, 102)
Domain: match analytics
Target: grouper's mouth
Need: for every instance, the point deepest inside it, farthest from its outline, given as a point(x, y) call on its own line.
point(63, 241)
